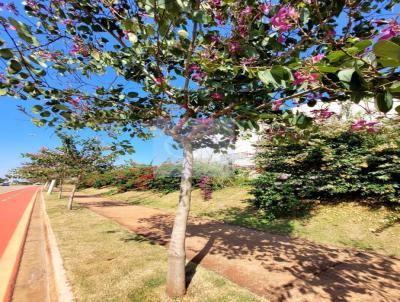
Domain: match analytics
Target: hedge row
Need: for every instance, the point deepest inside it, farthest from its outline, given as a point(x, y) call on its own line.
point(164, 178)
point(328, 164)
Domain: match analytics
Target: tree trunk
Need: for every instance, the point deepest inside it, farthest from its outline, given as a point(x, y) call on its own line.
point(71, 197)
point(61, 188)
point(51, 187)
point(176, 285)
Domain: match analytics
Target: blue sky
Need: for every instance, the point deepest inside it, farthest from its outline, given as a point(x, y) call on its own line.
point(19, 135)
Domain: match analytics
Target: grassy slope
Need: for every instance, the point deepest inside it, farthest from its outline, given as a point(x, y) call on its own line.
point(346, 224)
point(105, 262)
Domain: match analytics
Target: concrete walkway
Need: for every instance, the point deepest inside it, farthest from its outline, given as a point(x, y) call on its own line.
point(277, 267)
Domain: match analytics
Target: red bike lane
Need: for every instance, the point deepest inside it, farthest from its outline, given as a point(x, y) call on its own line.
point(12, 206)
point(15, 212)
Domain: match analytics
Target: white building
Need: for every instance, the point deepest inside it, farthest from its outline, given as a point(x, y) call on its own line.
point(245, 147)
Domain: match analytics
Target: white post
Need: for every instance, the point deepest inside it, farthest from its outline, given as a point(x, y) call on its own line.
point(45, 185)
point(53, 182)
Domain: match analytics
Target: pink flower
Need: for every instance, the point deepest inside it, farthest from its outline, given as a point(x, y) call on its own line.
point(215, 39)
point(194, 68)
point(249, 61)
point(159, 80)
point(199, 77)
point(234, 47)
point(300, 77)
point(75, 101)
point(281, 39)
point(216, 96)
point(216, 3)
point(277, 105)
point(284, 18)
point(205, 121)
point(317, 58)
point(364, 125)
point(47, 55)
point(219, 19)
point(265, 7)
point(67, 22)
point(322, 114)
point(392, 31)
point(9, 7)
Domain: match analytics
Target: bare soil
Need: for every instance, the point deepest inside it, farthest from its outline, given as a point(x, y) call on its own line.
point(278, 267)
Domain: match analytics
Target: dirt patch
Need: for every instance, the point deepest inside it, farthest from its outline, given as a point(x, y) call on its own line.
point(278, 267)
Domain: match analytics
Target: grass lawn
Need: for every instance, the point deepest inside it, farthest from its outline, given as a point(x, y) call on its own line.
point(345, 224)
point(105, 262)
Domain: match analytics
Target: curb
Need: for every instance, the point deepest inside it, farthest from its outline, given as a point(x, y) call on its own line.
point(62, 287)
point(14, 251)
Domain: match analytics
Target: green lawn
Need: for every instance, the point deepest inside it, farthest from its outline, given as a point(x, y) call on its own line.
point(105, 262)
point(345, 224)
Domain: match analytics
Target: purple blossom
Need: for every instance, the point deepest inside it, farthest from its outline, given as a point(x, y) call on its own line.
point(215, 3)
point(75, 101)
point(265, 7)
point(283, 20)
point(393, 30)
point(216, 96)
point(364, 125)
point(2, 77)
point(300, 77)
point(317, 58)
point(9, 7)
point(194, 68)
point(67, 22)
point(277, 105)
point(47, 55)
point(199, 77)
point(234, 47)
point(322, 114)
point(215, 39)
point(249, 61)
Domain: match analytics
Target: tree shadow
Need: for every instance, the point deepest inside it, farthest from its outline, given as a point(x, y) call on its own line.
point(191, 266)
point(280, 267)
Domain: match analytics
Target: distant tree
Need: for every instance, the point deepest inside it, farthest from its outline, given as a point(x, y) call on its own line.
point(84, 156)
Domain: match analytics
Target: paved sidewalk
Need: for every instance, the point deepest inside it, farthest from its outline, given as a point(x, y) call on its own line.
point(34, 280)
point(277, 267)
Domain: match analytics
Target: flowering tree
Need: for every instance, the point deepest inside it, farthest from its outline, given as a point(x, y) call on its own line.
point(86, 155)
point(43, 165)
point(195, 69)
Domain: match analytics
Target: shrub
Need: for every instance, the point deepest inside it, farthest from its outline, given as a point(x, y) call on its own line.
point(337, 163)
point(276, 198)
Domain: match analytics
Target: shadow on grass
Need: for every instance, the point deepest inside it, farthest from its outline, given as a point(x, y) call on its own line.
point(253, 218)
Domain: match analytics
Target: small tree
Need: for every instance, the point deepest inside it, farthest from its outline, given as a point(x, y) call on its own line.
point(86, 155)
point(195, 69)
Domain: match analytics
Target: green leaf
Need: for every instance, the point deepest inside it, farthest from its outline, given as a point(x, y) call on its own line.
point(346, 74)
point(327, 69)
point(397, 109)
point(23, 32)
point(384, 101)
point(6, 53)
point(15, 66)
point(395, 87)
point(335, 56)
point(37, 109)
point(361, 45)
point(387, 49)
point(385, 62)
